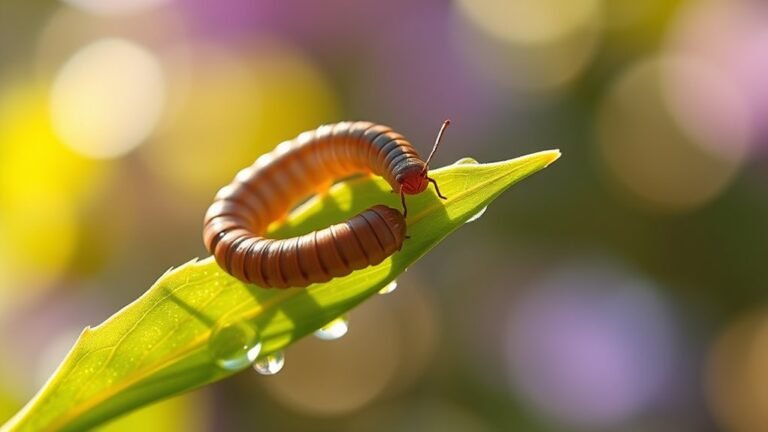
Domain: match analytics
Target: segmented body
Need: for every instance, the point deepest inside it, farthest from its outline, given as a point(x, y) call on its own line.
point(264, 192)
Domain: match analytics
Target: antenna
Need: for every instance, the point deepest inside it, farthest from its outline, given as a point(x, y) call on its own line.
point(437, 143)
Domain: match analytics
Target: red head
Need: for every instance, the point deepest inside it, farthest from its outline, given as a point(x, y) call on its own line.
point(414, 178)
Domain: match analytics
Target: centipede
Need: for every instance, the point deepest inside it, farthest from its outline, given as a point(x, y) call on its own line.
point(236, 223)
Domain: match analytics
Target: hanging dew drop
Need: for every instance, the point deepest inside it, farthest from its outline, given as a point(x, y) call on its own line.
point(388, 288)
point(477, 215)
point(334, 329)
point(234, 346)
point(270, 364)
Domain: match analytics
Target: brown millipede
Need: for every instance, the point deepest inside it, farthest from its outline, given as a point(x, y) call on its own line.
point(234, 226)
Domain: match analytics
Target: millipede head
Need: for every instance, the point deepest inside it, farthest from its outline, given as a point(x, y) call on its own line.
point(414, 179)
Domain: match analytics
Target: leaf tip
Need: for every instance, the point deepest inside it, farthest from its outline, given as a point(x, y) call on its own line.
point(550, 156)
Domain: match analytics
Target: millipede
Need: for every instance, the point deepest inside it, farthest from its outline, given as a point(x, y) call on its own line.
point(235, 224)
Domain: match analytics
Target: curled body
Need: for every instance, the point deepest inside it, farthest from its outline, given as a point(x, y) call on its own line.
point(235, 224)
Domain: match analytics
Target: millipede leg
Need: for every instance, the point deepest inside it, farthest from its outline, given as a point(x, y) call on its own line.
point(437, 189)
point(402, 200)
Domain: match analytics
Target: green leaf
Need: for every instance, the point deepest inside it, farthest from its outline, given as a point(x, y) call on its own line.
point(196, 318)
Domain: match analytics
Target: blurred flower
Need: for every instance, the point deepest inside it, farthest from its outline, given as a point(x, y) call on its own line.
point(590, 346)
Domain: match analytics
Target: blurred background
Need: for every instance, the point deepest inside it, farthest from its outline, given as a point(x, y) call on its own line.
point(622, 289)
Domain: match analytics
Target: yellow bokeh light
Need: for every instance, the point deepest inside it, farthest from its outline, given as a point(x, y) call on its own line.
point(648, 152)
point(737, 379)
point(531, 21)
point(41, 185)
point(323, 380)
point(530, 45)
point(107, 98)
point(228, 108)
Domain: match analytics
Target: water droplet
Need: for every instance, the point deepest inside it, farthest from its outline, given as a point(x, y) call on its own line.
point(466, 161)
point(334, 329)
point(270, 364)
point(389, 288)
point(234, 346)
point(477, 215)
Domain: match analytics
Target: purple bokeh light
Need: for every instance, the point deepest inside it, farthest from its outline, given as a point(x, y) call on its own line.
point(590, 346)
